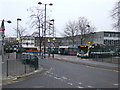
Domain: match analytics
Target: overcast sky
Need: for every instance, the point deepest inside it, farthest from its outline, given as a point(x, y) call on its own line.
point(96, 11)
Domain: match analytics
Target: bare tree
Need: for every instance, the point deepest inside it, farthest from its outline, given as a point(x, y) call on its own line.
point(116, 16)
point(84, 28)
point(21, 31)
point(81, 27)
point(70, 31)
point(36, 20)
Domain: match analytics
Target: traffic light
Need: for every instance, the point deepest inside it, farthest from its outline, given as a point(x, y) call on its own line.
point(17, 42)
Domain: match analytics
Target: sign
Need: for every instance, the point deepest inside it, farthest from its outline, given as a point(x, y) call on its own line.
point(2, 28)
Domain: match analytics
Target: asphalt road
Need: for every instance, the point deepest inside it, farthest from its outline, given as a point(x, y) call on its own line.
point(58, 74)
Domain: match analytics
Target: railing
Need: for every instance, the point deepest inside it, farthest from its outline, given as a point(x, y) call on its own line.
point(24, 64)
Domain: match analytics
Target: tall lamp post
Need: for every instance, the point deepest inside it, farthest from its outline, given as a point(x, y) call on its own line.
point(53, 38)
point(18, 19)
point(45, 25)
point(2, 30)
point(53, 27)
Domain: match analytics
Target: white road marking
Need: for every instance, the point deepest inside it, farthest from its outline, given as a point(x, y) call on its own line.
point(57, 78)
point(64, 77)
point(90, 67)
point(15, 79)
point(80, 87)
point(36, 71)
point(69, 83)
point(90, 86)
point(115, 71)
point(79, 83)
point(115, 84)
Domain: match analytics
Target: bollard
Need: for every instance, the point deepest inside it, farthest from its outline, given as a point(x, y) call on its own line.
point(36, 63)
point(7, 69)
point(25, 66)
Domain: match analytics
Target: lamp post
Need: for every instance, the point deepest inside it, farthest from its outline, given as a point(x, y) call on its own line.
point(53, 27)
point(89, 30)
point(2, 30)
point(49, 41)
point(53, 38)
point(18, 19)
point(17, 39)
point(45, 25)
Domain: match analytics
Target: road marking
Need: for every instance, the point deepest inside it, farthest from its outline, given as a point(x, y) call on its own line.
point(115, 71)
point(115, 84)
point(48, 71)
point(64, 77)
point(69, 83)
point(79, 83)
point(80, 87)
point(90, 67)
point(36, 71)
point(90, 86)
point(57, 77)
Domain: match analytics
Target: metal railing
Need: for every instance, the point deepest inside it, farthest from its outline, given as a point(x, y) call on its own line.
point(24, 64)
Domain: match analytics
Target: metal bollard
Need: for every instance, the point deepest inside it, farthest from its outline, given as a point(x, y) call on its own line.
point(7, 69)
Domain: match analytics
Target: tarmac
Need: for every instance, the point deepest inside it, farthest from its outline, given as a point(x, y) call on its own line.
point(65, 58)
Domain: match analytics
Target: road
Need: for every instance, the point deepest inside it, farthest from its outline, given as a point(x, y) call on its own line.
point(59, 74)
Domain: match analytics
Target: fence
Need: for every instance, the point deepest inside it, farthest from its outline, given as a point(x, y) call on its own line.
point(115, 60)
point(24, 64)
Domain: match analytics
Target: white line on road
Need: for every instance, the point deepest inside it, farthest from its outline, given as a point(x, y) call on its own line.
point(79, 83)
point(90, 67)
point(69, 83)
point(115, 71)
point(80, 87)
point(90, 86)
point(115, 84)
point(57, 78)
point(64, 77)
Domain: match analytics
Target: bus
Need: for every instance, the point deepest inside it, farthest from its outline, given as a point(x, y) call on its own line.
point(63, 50)
point(67, 50)
point(72, 51)
point(30, 50)
point(94, 51)
point(83, 51)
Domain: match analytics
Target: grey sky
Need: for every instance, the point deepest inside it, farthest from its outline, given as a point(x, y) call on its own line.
point(96, 11)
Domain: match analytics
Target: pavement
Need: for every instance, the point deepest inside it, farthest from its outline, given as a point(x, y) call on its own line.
point(89, 62)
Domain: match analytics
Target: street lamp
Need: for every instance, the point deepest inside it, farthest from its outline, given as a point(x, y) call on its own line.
point(18, 19)
point(17, 39)
point(53, 26)
point(2, 31)
point(53, 37)
point(40, 3)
